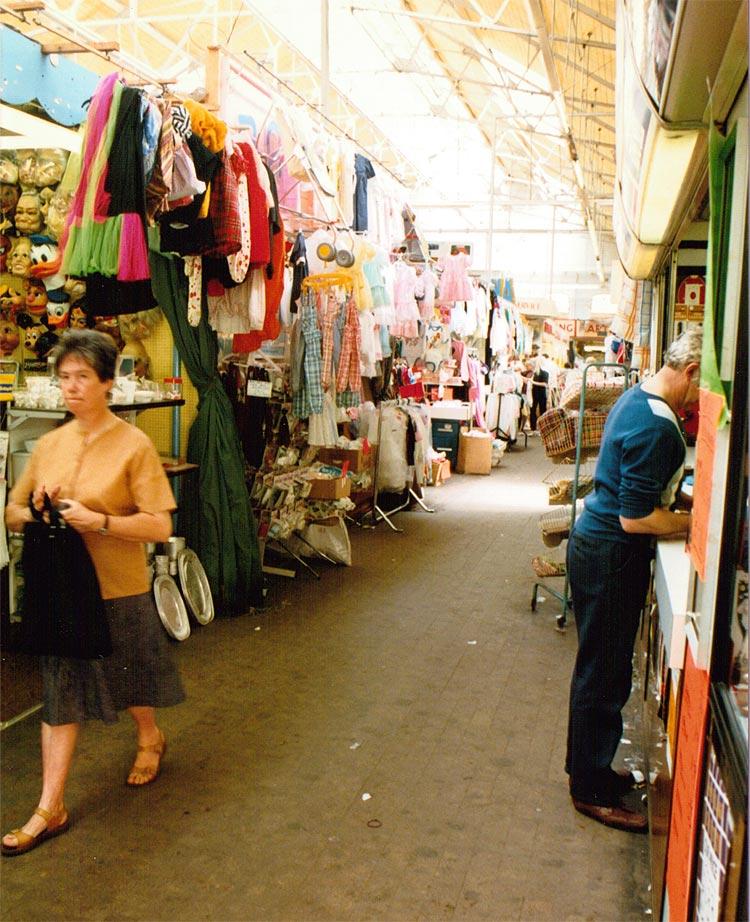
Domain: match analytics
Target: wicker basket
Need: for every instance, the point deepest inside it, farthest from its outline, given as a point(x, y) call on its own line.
point(555, 524)
point(592, 428)
point(559, 429)
point(557, 433)
point(561, 491)
point(601, 393)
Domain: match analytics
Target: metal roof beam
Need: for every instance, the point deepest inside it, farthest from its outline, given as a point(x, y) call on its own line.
point(445, 20)
point(482, 25)
point(593, 14)
point(583, 70)
point(536, 18)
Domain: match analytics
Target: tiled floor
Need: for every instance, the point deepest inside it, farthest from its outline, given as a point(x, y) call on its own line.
point(420, 677)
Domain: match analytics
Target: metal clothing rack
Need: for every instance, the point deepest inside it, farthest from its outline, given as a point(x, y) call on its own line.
point(564, 597)
point(378, 514)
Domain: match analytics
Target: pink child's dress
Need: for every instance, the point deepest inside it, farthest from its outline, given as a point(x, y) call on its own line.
point(407, 312)
point(455, 284)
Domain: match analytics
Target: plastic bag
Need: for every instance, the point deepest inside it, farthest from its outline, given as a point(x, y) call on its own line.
point(393, 471)
point(331, 540)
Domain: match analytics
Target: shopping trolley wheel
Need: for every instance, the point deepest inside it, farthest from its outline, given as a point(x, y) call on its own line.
point(561, 622)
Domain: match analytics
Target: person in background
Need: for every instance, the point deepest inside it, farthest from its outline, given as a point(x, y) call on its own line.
point(106, 478)
point(609, 563)
point(553, 373)
point(539, 388)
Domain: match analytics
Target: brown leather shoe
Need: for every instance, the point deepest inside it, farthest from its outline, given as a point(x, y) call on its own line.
point(617, 816)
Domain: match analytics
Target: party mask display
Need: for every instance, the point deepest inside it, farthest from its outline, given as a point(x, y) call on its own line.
point(78, 319)
point(33, 334)
point(4, 251)
point(27, 168)
point(29, 213)
point(75, 289)
point(19, 261)
point(58, 314)
point(9, 195)
point(57, 212)
point(50, 166)
point(10, 337)
point(45, 257)
point(8, 171)
point(36, 297)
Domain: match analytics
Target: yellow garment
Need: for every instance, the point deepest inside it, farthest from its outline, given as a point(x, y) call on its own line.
point(203, 213)
point(210, 129)
point(364, 251)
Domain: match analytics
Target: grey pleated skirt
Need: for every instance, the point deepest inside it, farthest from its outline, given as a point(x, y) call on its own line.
point(141, 671)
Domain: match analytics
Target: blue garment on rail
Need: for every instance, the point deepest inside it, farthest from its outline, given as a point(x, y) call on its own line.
point(363, 172)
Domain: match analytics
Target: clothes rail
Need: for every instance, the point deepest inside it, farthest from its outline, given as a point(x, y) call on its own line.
point(334, 124)
point(377, 512)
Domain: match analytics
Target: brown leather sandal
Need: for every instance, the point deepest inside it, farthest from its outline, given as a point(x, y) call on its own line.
point(56, 825)
point(139, 775)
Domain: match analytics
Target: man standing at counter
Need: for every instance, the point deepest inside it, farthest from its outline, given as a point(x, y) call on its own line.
point(609, 558)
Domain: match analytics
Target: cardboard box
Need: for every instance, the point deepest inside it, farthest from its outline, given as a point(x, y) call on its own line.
point(357, 459)
point(330, 488)
point(441, 471)
point(474, 452)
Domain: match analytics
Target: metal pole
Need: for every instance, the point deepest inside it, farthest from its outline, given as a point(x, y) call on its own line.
point(491, 228)
point(325, 55)
point(175, 410)
point(552, 251)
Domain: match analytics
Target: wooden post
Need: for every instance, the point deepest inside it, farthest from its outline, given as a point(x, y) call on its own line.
point(214, 81)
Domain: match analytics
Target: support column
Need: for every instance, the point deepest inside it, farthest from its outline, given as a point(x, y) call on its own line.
point(325, 56)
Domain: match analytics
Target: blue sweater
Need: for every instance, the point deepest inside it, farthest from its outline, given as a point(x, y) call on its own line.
point(639, 468)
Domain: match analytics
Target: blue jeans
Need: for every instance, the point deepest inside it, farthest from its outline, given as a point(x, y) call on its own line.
point(609, 581)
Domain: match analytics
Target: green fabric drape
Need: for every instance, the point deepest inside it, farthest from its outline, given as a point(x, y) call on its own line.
point(223, 532)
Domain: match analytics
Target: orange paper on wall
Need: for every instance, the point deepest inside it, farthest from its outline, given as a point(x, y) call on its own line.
point(683, 824)
point(711, 406)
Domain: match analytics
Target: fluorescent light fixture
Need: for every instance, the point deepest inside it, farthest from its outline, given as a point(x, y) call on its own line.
point(638, 259)
point(665, 175)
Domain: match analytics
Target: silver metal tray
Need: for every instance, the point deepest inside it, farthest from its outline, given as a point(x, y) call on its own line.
point(171, 608)
point(195, 587)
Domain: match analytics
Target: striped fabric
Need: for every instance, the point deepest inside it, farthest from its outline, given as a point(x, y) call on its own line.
point(160, 183)
point(328, 314)
point(181, 120)
point(348, 379)
point(309, 398)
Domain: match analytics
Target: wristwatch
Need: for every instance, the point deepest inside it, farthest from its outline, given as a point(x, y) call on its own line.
point(104, 530)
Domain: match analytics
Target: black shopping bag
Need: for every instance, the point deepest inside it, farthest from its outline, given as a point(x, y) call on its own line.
point(62, 613)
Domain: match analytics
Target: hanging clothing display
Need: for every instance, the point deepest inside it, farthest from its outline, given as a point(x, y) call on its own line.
point(308, 365)
point(363, 171)
point(300, 267)
point(455, 284)
point(425, 292)
point(105, 236)
point(405, 304)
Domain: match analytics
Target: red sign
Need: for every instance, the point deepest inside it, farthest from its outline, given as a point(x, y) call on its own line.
point(590, 329)
point(692, 291)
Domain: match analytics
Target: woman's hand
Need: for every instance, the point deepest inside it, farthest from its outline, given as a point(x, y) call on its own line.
point(81, 517)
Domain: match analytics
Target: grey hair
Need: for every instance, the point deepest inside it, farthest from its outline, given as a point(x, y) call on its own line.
point(685, 350)
point(96, 349)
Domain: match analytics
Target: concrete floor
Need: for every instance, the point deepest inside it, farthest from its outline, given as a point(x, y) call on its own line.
point(420, 677)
